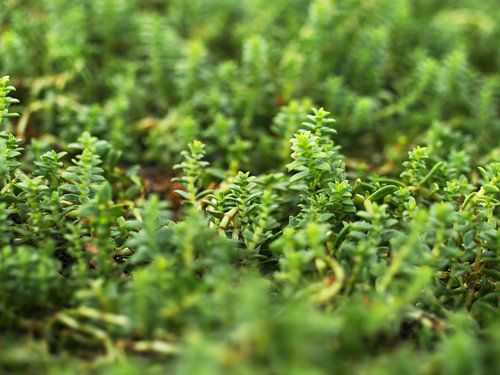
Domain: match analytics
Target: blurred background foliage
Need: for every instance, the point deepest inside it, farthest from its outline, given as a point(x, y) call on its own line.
point(166, 72)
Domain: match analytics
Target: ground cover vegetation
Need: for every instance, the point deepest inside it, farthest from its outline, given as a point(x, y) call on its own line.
point(249, 187)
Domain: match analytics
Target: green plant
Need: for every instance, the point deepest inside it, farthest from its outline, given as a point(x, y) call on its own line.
point(5, 100)
point(169, 201)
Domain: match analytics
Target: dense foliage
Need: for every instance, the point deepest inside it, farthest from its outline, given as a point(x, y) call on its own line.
point(175, 195)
